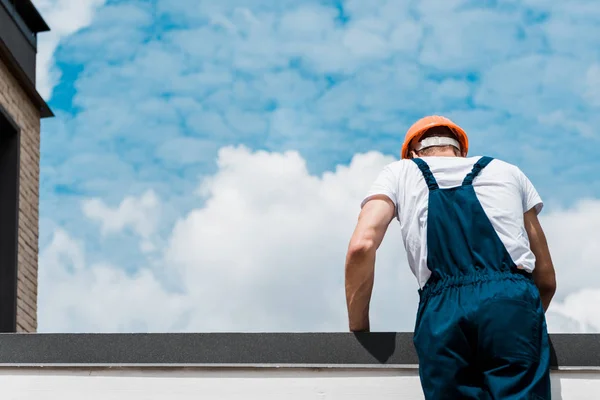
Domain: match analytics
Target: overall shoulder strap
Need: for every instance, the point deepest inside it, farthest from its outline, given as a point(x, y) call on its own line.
point(479, 165)
point(429, 179)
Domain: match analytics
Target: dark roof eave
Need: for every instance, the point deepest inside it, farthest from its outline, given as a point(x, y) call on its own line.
point(31, 16)
point(24, 81)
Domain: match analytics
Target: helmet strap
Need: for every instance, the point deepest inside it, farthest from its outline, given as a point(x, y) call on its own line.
point(434, 141)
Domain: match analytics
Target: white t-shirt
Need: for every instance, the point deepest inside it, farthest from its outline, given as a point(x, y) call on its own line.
point(502, 189)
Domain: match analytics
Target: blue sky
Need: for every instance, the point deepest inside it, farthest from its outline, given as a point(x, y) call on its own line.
point(146, 94)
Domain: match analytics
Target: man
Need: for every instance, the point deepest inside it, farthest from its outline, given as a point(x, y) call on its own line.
point(471, 232)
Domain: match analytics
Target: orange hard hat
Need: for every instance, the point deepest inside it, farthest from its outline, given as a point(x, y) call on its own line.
point(425, 123)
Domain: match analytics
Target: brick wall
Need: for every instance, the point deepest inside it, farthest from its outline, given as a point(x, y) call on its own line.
point(24, 113)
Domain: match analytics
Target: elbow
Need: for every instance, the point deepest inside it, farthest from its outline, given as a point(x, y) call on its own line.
point(360, 248)
point(548, 287)
point(546, 283)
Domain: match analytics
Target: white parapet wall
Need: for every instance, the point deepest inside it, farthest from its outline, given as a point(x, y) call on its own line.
point(244, 383)
point(246, 366)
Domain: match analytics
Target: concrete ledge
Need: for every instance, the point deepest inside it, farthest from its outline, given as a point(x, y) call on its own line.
point(244, 384)
point(253, 349)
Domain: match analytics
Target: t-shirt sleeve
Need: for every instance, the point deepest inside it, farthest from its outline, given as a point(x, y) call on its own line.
point(385, 184)
point(529, 195)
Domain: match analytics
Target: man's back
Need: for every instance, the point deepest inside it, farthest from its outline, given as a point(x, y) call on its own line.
point(504, 192)
point(472, 235)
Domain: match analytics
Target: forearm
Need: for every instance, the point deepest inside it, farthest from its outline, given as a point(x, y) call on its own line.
point(543, 274)
point(546, 284)
point(360, 274)
point(373, 221)
point(546, 297)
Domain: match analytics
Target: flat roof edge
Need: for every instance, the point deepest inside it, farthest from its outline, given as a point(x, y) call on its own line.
point(240, 367)
point(302, 350)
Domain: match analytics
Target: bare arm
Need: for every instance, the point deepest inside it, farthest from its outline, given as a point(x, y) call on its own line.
point(373, 221)
point(543, 274)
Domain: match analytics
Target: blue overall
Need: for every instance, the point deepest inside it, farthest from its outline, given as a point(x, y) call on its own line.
point(480, 331)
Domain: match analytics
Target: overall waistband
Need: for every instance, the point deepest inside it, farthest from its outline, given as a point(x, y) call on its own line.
point(437, 285)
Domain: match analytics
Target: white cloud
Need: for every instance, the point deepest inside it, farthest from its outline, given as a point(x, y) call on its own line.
point(152, 100)
point(577, 313)
point(65, 17)
point(264, 251)
point(573, 238)
point(224, 75)
point(141, 214)
point(558, 119)
point(592, 91)
point(98, 297)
